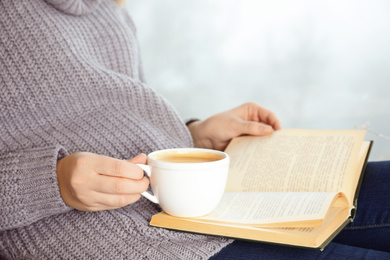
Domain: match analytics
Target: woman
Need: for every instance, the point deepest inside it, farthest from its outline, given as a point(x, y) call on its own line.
point(74, 106)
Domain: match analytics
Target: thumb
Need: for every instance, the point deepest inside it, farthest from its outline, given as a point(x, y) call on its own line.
point(256, 128)
point(141, 158)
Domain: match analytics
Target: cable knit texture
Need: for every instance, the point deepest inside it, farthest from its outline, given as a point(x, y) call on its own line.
point(70, 81)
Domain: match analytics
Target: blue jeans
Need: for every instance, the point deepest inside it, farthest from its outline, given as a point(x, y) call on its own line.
point(367, 237)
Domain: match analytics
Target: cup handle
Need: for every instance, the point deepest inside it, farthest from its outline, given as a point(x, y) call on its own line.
point(146, 194)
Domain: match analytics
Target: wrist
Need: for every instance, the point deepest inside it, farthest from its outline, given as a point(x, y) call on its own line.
point(193, 127)
point(198, 130)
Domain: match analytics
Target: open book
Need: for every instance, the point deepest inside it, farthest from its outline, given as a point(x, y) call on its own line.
point(295, 187)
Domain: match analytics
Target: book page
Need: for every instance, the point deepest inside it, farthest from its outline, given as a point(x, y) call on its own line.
point(273, 207)
point(293, 160)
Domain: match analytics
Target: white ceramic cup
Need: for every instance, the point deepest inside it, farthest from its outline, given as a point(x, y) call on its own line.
point(187, 189)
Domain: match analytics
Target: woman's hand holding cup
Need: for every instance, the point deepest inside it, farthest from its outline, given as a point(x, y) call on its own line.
point(92, 182)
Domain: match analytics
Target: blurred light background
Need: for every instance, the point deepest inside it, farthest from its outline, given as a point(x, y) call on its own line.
point(316, 64)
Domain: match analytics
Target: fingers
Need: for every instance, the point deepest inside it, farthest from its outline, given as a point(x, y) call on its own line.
point(271, 119)
point(141, 158)
point(113, 192)
point(115, 185)
point(252, 111)
point(119, 168)
point(255, 128)
point(102, 201)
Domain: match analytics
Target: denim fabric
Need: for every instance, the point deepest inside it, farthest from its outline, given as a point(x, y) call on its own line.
point(367, 237)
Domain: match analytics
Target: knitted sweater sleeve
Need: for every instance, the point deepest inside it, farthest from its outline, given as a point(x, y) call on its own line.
point(28, 186)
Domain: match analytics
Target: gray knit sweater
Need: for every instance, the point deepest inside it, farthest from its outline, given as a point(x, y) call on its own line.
point(70, 80)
